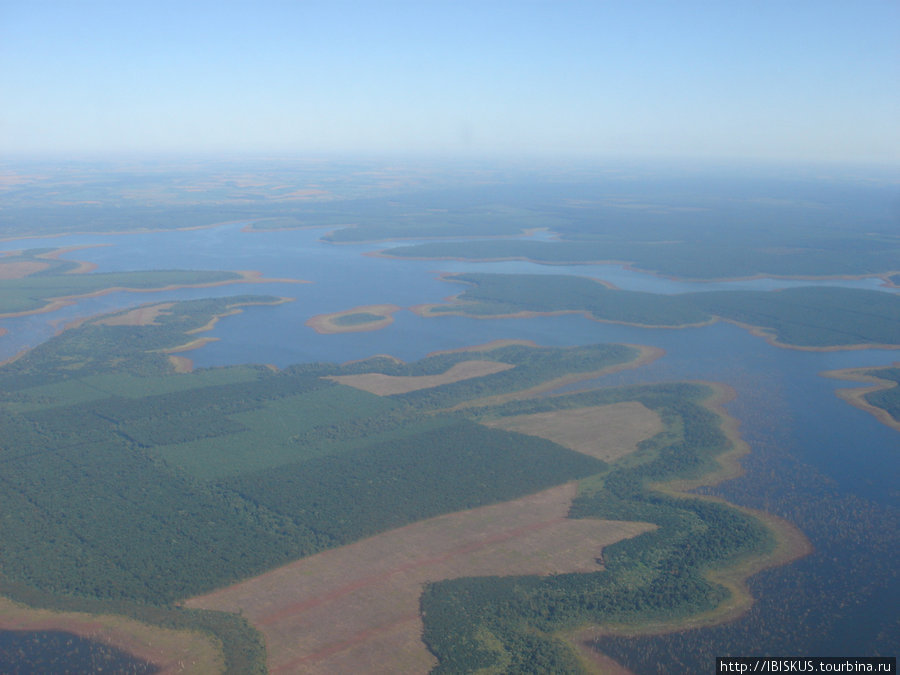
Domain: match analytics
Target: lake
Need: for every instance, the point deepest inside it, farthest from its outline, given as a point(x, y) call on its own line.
point(826, 466)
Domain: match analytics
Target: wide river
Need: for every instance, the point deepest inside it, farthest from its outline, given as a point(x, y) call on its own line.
point(826, 466)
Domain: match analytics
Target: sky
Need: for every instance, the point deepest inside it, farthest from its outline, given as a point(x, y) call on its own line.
point(790, 80)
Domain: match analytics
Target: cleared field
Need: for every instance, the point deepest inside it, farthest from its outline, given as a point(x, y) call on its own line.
point(385, 385)
point(356, 608)
point(140, 316)
point(605, 432)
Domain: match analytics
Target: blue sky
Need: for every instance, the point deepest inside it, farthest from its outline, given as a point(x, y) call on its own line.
point(784, 80)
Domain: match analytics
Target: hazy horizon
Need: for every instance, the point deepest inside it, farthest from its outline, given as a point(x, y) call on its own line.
point(759, 81)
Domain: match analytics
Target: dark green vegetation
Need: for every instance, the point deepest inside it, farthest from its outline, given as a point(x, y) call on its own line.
point(813, 316)
point(685, 259)
point(511, 624)
point(887, 399)
point(36, 290)
point(58, 652)
point(356, 319)
point(125, 486)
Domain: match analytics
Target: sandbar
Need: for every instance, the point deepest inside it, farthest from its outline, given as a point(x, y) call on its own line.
point(856, 396)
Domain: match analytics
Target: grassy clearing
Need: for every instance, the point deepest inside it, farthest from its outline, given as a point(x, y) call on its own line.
point(386, 385)
point(311, 613)
point(140, 316)
point(605, 432)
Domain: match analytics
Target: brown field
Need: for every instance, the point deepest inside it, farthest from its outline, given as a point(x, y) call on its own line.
point(385, 385)
point(170, 650)
point(355, 609)
point(141, 316)
point(181, 364)
point(19, 270)
point(606, 432)
point(325, 323)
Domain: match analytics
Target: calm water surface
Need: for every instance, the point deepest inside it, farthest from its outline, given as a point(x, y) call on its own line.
point(826, 466)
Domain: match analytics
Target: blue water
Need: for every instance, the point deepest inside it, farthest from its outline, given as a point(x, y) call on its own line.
point(808, 446)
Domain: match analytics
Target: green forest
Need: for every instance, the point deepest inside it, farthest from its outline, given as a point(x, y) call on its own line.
point(56, 280)
point(127, 487)
point(888, 398)
point(809, 316)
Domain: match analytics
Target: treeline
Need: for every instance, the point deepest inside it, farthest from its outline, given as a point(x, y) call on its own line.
point(242, 645)
point(811, 316)
point(703, 256)
point(511, 623)
point(35, 291)
point(497, 294)
point(461, 465)
point(532, 367)
point(94, 348)
point(887, 399)
point(140, 498)
point(126, 484)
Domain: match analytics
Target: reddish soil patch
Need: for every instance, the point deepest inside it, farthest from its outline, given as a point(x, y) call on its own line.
point(355, 609)
point(385, 385)
point(606, 432)
point(141, 316)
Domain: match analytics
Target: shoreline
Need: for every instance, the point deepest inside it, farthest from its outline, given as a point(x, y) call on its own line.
point(790, 544)
point(244, 277)
point(324, 324)
point(182, 364)
point(426, 311)
point(170, 650)
point(856, 396)
point(631, 266)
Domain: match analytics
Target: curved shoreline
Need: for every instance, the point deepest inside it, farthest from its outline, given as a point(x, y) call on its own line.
point(629, 265)
point(325, 324)
point(790, 544)
point(244, 277)
point(856, 396)
point(427, 311)
point(170, 650)
point(182, 364)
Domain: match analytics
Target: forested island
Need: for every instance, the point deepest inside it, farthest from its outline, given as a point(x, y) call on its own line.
point(805, 317)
